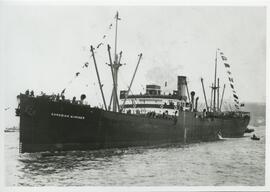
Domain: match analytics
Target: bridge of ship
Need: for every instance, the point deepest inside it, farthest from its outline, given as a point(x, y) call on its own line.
point(153, 101)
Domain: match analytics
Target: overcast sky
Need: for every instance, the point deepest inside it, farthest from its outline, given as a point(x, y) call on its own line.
point(42, 47)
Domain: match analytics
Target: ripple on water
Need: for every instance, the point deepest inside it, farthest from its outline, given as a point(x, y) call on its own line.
point(228, 162)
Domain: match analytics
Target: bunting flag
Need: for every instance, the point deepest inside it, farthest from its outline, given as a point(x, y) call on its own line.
point(7, 108)
point(101, 42)
point(99, 45)
point(85, 65)
point(224, 58)
point(105, 35)
point(227, 66)
point(63, 92)
point(231, 79)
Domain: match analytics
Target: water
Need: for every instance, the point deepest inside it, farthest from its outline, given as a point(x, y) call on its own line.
point(233, 161)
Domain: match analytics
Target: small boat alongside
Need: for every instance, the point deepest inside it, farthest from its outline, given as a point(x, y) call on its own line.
point(249, 130)
point(254, 137)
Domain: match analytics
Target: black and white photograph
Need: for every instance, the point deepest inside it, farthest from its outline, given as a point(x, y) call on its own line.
point(129, 96)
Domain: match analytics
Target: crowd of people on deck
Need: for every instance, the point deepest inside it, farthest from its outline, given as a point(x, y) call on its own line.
point(164, 115)
point(58, 97)
point(153, 114)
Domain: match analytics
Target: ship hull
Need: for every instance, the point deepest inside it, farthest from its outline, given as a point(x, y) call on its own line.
point(234, 127)
point(46, 125)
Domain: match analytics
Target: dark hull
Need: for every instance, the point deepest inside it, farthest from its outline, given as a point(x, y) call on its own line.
point(234, 127)
point(46, 125)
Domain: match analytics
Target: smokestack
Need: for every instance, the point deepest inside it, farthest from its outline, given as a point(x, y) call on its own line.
point(181, 87)
point(196, 103)
point(192, 99)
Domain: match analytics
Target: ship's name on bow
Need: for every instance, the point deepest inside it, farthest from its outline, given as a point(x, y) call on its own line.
point(67, 116)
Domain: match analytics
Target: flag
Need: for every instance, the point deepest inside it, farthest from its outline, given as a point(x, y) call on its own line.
point(110, 26)
point(77, 74)
point(117, 16)
point(229, 72)
point(235, 96)
point(221, 53)
point(231, 79)
point(236, 106)
point(7, 108)
point(236, 101)
point(232, 86)
point(224, 58)
point(86, 64)
point(242, 105)
point(62, 93)
point(226, 65)
point(99, 45)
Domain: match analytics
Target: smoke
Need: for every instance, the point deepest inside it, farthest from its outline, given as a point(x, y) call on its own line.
point(164, 73)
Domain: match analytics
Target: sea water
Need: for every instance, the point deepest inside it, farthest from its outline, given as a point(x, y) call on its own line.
point(231, 161)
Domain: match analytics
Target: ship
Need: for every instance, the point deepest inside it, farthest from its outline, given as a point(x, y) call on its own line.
point(54, 123)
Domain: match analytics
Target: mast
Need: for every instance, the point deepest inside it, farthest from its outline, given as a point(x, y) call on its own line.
point(187, 91)
point(114, 82)
point(211, 101)
point(222, 97)
point(218, 94)
point(115, 66)
point(111, 99)
point(215, 84)
point(126, 95)
point(115, 41)
point(99, 82)
point(204, 95)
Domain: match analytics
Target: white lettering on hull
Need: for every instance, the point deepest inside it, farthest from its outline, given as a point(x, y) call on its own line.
point(67, 116)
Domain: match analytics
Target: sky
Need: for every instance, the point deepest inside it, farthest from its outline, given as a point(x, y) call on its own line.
point(43, 46)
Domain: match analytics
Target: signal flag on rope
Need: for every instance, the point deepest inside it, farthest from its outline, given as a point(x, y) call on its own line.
point(98, 46)
point(230, 79)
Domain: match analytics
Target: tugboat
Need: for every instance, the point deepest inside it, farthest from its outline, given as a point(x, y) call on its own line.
point(54, 123)
point(254, 137)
